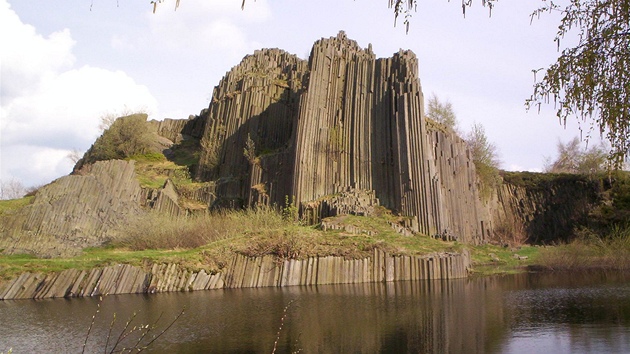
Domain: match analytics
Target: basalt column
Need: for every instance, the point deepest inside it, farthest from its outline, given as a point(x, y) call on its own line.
point(361, 125)
point(253, 108)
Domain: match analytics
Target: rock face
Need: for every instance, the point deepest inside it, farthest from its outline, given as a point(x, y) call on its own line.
point(341, 133)
point(74, 212)
point(280, 128)
point(242, 272)
point(543, 209)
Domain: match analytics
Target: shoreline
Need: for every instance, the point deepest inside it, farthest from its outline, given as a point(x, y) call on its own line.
point(243, 272)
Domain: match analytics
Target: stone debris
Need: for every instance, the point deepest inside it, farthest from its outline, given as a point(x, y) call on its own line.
point(520, 258)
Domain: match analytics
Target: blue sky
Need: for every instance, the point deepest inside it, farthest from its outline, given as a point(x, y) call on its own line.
point(67, 63)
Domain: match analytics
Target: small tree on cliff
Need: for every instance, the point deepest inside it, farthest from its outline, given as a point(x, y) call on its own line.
point(441, 112)
point(485, 156)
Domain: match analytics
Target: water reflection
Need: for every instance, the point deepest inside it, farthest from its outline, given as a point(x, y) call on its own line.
point(509, 314)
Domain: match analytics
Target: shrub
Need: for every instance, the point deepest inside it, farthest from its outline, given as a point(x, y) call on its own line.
point(126, 137)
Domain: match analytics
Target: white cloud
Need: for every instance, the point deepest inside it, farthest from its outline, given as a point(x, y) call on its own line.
point(50, 108)
point(216, 28)
point(66, 108)
point(27, 56)
point(44, 164)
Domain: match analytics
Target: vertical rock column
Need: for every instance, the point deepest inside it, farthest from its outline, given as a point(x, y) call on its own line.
point(255, 101)
point(334, 132)
point(361, 125)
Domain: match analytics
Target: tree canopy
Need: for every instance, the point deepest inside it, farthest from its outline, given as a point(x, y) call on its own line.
point(591, 80)
point(572, 158)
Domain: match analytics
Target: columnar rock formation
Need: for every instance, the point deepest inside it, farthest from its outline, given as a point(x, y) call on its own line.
point(242, 272)
point(280, 128)
point(340, 133)
point(75, 212)
point(543, 209)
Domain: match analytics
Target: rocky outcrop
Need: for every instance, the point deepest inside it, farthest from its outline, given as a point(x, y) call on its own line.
point(546, 208)
point(242, 272)
point(74, 212)
point(280, 128)
point(177, 130)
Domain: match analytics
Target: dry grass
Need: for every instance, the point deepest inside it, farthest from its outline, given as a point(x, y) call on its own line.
point(157, 231)
point(590, 251)
point(210, 241)
point(264, 231)
point(510, 233)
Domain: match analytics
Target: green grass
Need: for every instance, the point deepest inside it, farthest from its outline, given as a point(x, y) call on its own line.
point(10, 206)
point(13, 265)
point(210, 241)
point(490, 259)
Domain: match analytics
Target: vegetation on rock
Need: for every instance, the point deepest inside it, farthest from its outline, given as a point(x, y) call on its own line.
point(441, 112)
point(125, 137)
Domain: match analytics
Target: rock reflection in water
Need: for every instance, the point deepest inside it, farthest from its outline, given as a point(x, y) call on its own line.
point(509, 314)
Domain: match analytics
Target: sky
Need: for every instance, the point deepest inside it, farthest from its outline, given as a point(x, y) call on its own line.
point(65, 64)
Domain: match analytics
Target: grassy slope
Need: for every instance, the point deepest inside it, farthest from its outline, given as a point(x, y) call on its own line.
point(254, 233)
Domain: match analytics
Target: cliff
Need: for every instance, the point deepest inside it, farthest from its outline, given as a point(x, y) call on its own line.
point(281, 128)
point(341, 133)
point(74, 212)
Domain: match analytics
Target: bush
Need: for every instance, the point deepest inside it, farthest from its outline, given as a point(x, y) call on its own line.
point(126, 137)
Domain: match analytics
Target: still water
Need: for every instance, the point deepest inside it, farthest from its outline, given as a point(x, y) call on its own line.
point(526, 313)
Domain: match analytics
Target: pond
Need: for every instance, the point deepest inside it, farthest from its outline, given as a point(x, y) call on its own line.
point(524, 313)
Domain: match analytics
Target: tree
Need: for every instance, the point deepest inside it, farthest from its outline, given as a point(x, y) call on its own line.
point(572, 159)
point(11, 189)
point(592, 79)
point(441, 112)
point(486, 158)
point(74, 155)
